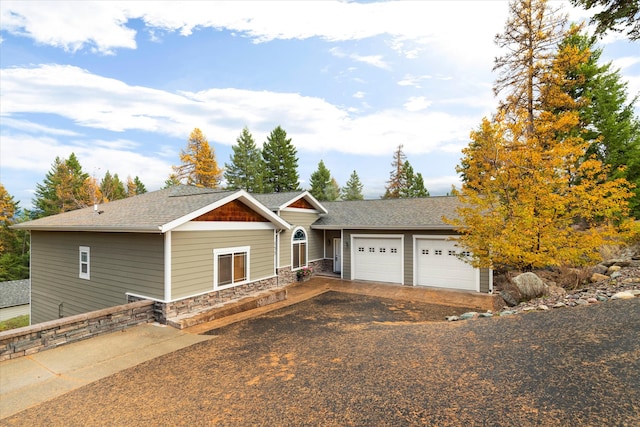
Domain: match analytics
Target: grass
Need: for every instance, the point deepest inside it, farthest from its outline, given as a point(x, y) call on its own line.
point(15, 322)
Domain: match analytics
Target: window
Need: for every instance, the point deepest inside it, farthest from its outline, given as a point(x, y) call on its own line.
point(85, 262)
point(425, 252)
point(438, 252)
point(372, 250)
point(383, 250)
point(394, 250)
point(360, 249)
point(230, 267)
point(299, 249)
point(452, 253)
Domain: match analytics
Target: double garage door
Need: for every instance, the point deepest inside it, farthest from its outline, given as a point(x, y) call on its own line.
point(437, 262)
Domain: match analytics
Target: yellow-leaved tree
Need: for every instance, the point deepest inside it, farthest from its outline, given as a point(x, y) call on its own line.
point(529, 197)
point(199, 166)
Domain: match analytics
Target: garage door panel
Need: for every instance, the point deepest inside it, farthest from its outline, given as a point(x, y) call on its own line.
point(378, 259)
point(439, 264)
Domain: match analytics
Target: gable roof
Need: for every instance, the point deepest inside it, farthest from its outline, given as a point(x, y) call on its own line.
point(15, 292)
point(419, 213)
point(278, 201)
point(153, 212)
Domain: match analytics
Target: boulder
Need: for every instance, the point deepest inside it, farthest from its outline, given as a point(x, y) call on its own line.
point(613, 269)
point(529, 285)
point(597, 277)
point(623, 295)
point(600, 269)
point(510, 297)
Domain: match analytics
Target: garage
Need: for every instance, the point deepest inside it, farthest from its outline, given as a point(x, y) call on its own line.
point(377, 258)
point(438, 263)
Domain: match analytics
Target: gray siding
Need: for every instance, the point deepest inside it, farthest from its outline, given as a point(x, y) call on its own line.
point(192, 257)
point(485, 280)
point(314, 240)
point(119, 263)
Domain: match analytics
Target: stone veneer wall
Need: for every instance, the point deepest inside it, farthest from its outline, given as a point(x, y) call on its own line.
point(32, 339)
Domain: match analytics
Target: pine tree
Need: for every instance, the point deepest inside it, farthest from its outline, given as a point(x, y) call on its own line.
point(199, 166)
point(397, 181)
point(320, 181)
point(111, 188)
point(614, 15)
point(62, 189)
point(246, 167)
point(14, 256)
point(171, 181)
point(526, 186)
point(280, 163)
point(353, 188)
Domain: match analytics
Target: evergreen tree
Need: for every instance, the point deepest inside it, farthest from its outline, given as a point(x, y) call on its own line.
point(353, 188)
point(397, 180)
point(63, 188)
point(320, 182)
point(608, 123)
point(199, 166)
point(246, 167)
point(332, 192)
point(112, 188)
point(614, 15)
point(14, 255)
point(418, 188)
point(280, 163)
point(135, 187)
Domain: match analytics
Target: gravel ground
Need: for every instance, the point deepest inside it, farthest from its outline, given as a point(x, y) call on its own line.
point(341, 359)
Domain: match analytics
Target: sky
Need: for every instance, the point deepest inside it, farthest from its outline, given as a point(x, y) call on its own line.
point(123, 84)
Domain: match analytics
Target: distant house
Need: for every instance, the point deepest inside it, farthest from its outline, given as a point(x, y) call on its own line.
point(14, 299)
point(190, 248)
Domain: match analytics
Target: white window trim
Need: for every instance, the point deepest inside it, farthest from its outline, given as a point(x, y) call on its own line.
point(227, 251)
point(87, 250)
point(306, 248)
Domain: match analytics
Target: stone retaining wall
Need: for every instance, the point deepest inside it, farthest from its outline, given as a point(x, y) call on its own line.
point(43, 336)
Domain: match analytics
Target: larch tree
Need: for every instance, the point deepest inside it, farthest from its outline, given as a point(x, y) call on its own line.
point(199, 166)
point(14, 255)
point(397, 180)
point(280, 163)
point(352, 190)
point(614, 15)
point(529, 198)
point(530, 38)
point(333, 190)
point(320, 181)
point(135, 186)
point(246, 167)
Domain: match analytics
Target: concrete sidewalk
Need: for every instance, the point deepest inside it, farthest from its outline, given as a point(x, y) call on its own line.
point(30, 380)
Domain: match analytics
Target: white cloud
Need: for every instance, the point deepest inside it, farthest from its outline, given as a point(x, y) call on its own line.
point(359, 95)
point(414, 81)
point(417, 103)
point(31, 127)
point(375, 60)
point(97, 102)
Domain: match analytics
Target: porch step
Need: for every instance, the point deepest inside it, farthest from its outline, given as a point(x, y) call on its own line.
point(227, 309)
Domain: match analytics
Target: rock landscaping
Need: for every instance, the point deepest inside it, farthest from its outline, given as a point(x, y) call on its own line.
point(610, 280)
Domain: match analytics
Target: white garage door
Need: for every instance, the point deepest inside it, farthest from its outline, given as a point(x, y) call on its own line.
point(437, 264)
point(377, 259)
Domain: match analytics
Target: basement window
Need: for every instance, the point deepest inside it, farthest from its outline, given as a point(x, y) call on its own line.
point(85, 263)
point(231, 267)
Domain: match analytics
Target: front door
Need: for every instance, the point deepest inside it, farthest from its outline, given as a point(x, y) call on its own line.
point(337, 255)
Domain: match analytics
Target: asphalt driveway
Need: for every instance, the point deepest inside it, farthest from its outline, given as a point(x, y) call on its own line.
point(341, 359)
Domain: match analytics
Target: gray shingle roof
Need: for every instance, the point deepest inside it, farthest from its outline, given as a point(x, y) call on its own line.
point(275, 201)
point(15, 292)
point(422, 213)
point(144, 213)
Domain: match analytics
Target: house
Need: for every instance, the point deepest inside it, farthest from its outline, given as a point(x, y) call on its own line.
point(14, 299)
point(190, 248)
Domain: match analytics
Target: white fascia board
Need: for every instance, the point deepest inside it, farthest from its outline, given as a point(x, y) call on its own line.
point(238, 195)
point(314, 202)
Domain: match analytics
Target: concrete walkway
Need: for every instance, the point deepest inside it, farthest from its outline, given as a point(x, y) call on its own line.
point(30, 380)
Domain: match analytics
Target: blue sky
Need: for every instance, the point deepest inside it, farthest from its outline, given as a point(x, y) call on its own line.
point(122, 84)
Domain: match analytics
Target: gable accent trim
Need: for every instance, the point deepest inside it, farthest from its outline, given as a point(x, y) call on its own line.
point(241, 196)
